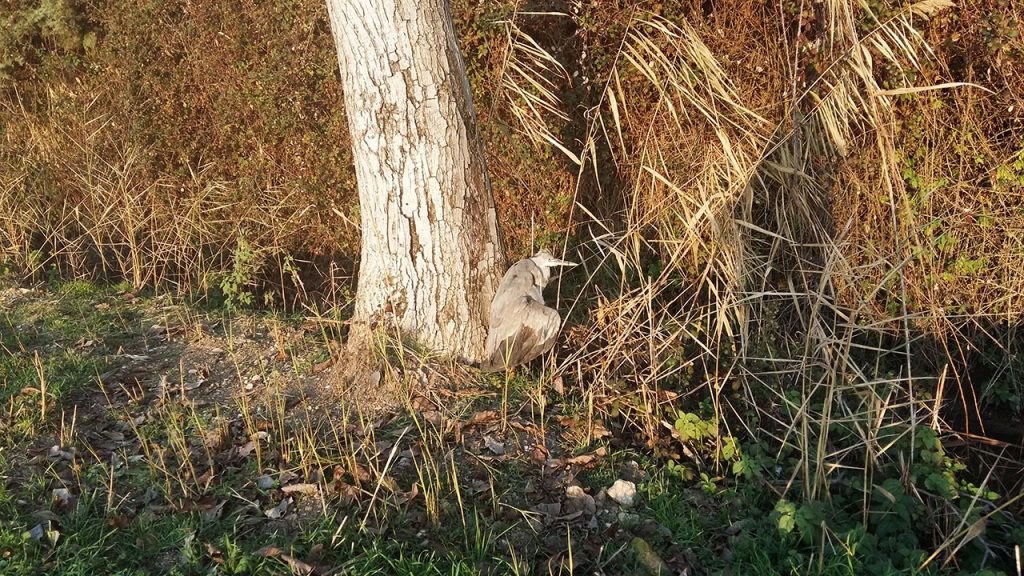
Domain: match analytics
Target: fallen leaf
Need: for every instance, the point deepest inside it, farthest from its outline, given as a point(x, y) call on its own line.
point(119, 521)
point(581, 460)
point(559, 385)
point(548, 508)
point(215, 554)
point(298, 566)
point(539, 454)
point(598, 430)
point(570, 516)
point(300, 489)
point(586, 459)
point(62, 498)
point(648, 558)
point(315, 553)
point(389, 483)
point(57, 453)
point(278, 512)
point(494, 446)
point(667, 395)
point(270, 551)
point(206, 478)
point(360, 475)
point(337, 472)
point(382, 446)
point(349, 493)
point(213, 512)
point(216, 438)
point(568, 421)
point(422, 404)
point(480, 418)
point(406, 497)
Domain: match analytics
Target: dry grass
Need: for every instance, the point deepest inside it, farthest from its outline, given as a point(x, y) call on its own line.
point(773, 239)
point(117, 158)
point(807, 214)
point(110, 218)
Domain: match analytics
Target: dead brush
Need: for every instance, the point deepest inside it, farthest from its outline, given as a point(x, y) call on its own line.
point(15, 232)
point(531, 78)
point(731, 180)
point(99, 211)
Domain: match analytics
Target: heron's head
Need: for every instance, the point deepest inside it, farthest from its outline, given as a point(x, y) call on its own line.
point(545, 261)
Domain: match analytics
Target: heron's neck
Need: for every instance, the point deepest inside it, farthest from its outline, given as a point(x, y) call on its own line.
point(545, 276)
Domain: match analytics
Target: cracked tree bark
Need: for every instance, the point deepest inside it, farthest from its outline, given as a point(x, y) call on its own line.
point(431, 252)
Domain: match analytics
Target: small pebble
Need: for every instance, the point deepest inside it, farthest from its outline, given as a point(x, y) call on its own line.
point(622, 491)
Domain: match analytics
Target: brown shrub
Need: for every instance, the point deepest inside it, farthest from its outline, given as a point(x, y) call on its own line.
point(175, 99)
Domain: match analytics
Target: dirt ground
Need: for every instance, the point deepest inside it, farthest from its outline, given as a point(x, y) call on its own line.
point(243, 418)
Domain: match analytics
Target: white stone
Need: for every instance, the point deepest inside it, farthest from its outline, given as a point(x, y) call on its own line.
point(622, 491)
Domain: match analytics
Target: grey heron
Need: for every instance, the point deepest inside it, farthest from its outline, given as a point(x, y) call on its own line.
point(522, 327)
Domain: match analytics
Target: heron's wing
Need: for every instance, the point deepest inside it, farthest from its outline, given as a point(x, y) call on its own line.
point(519, 281)
point(524, 329)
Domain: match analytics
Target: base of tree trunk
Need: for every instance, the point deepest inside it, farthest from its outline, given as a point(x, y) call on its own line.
point(370, 377)
point(356, 381)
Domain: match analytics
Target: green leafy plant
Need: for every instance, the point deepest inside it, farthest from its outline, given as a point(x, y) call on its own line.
point(29, 28)
point(238, 283)
point(691, 427)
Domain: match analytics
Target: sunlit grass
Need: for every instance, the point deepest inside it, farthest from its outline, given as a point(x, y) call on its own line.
point(804, 237)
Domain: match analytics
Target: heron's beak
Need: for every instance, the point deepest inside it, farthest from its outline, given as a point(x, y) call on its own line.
point(557, 262)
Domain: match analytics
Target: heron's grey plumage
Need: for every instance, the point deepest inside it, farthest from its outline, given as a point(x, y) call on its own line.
point(522, 327)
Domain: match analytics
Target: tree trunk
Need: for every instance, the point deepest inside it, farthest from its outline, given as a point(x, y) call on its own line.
point(431, 251)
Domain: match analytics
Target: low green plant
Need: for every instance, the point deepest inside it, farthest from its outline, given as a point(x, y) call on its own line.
point(237, 283)
point(26, 28)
